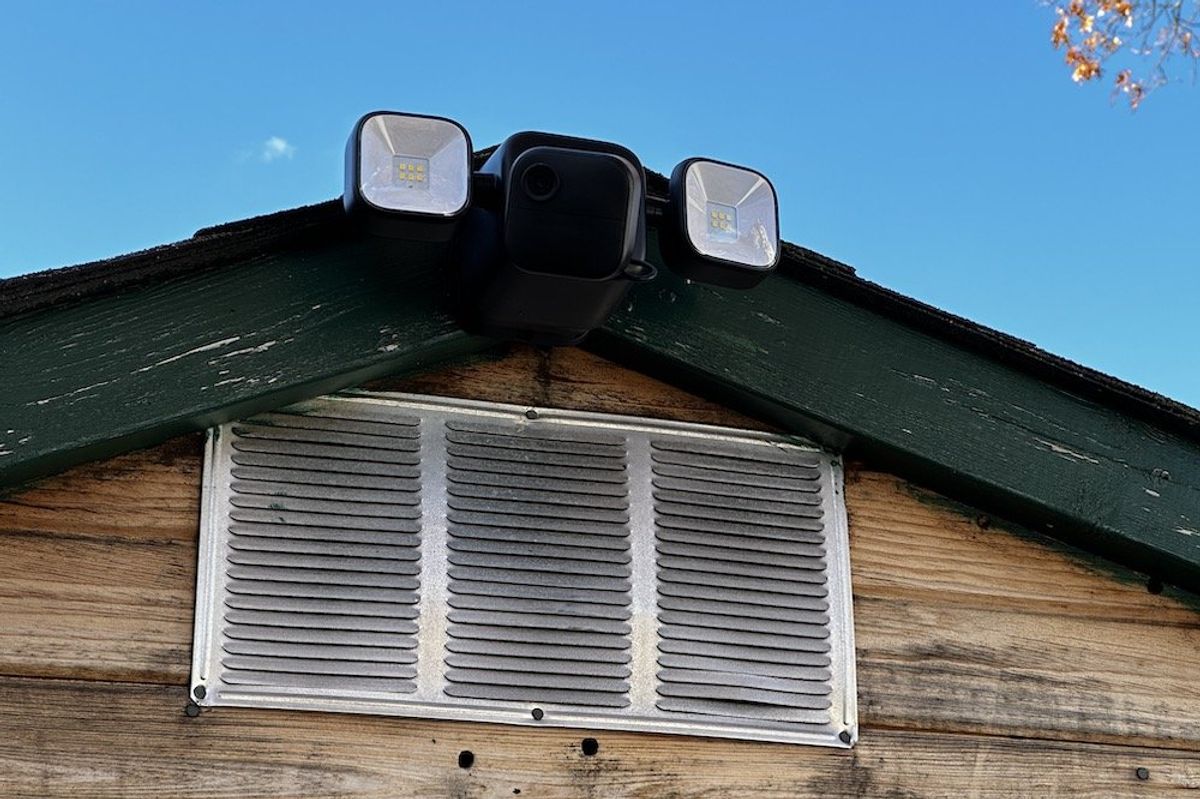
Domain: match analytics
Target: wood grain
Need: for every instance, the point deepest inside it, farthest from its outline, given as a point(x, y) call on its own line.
point(96, 608)
point(147, 495)
point(940, 665)
point(517, 378)
point(568, 378)
point(79, 739)
point(97, 568)
point(914, 543)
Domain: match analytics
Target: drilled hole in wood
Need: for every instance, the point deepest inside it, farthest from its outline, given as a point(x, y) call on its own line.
point(590, 746)
point(466, 758)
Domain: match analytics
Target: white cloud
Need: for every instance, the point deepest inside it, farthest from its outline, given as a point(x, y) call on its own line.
point(277, 147)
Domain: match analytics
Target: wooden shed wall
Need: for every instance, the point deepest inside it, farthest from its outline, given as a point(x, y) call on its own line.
point(991, 661)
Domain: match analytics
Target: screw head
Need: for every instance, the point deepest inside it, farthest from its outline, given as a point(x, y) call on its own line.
point(200, 691)
point(538, 713)
point(1142, 773)
point(192, 710)
point(844, 736)
point(531, 414)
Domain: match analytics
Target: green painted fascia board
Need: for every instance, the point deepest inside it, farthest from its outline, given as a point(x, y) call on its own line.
point(973, 427)
point(86, 379)
point(249, 317)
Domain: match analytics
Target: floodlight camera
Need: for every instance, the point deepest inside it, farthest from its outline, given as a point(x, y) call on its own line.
point(546, 239)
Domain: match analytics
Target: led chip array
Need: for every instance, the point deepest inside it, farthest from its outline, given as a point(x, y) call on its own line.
point(722, 222)
point(411, 172)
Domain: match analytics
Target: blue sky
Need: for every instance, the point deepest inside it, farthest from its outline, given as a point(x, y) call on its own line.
point(938, 147)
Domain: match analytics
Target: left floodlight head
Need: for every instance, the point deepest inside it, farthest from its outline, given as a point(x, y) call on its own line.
point(722, 224)
point(407, 175)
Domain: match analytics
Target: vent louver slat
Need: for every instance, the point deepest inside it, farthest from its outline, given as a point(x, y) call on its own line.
point(729, 647)
point(322, 589)
point(505, 528)
point(462, 560)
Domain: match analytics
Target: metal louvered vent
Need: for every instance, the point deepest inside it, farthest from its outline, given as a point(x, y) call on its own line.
point(742, 592)
point(539, 565)
point(324, 527)
point(423, 557)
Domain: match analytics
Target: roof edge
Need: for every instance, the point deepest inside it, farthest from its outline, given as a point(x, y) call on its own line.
point(260, 236)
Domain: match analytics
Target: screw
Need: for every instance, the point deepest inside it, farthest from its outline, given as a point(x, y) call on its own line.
point(200, 691)
point(1142, 773)
point(192, 710)
point(531, 414)
point(538, 713)
point(844, 736)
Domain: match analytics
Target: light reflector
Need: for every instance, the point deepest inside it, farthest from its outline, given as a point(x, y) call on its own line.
point(721, 225)
point(414, 164)
point(731, 213)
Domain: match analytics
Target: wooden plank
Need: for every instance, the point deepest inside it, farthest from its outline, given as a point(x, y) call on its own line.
point(149, 495)
point(96, 608)
point(945, 666)
point(517, 378)
point(568, 377)
point(973, 427)
point(117, 371)
point(581, 380)
point(97, 568)
point(910, 542)
point(995, 629)
point(65, 739)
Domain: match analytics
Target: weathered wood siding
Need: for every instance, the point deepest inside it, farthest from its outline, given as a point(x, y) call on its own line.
point(992, 662)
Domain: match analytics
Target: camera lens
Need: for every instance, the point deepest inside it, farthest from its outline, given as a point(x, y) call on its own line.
point(540, 182)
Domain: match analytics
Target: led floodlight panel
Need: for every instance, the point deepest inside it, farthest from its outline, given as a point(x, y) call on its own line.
point(408, 175)
point(724, 224)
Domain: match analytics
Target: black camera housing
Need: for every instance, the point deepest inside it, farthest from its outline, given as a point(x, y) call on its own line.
point(561, 244)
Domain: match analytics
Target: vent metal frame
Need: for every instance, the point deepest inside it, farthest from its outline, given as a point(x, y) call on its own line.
point(430, 699)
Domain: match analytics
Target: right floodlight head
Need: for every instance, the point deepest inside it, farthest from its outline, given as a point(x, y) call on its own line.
point(723, 224)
